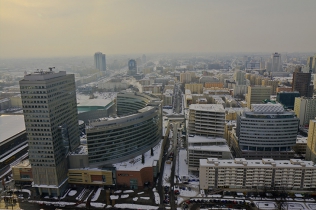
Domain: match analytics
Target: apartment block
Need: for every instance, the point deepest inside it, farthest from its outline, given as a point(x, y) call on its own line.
point(256, 94)
point(206, 119)
point(311, 142)
point(257, 174)
point(305, 110)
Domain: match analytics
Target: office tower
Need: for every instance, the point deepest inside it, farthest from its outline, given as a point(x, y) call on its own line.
point(305, 109)
point(100, 61)
point(311, 64)
point(144, 59)
point(256, 94)
point(51, 121)
point(301, 82)
point(311, 142)
point(240, 78)
point(287, 99)
point(276, 64)
point(267, 131)
point(132, 67)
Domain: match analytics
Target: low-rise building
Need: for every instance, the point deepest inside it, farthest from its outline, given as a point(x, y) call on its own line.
point(200, 147)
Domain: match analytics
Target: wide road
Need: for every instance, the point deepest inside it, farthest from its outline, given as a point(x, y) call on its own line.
point(160, 182)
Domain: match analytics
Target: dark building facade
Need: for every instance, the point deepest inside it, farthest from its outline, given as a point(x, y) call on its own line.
point(302, 83)
point(287, 99)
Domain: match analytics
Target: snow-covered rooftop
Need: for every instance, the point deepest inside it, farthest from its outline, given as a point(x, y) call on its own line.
point(203, 139)
point(135, 164)
point(11, 125)
point(207, 107)
point(264, 163)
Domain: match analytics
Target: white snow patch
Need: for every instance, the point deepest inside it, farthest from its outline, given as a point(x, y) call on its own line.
point(157, 198)
point(72, 192)
point(128, 191)
point(118, 191)
point(135, 206)
point(97, 194)
point(145, 198)
point(114, 197)
point(140, 193)
point(125, 196)
point(135, 199)
point(97, 205)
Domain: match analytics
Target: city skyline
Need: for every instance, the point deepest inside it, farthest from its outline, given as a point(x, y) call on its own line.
point(80, 28)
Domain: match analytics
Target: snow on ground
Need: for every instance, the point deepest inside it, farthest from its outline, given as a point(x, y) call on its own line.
point(52, 203)
point(135, 206)
point(97, 194)
point(183, 167)
point(166, 174)
point(180, 200)
point(114, 197)
point(140, 193)
point(65, 194)
point(118, 191)
point(135, 199)
point(296, 206)
point(188, 193)
point(79, 197)
point(265, 205)
point(128, 191)
point(97, 205)
point(311, 205)
point(125, 196)
point(26, 191)
point(157, 198)
point(72, 192)
point(145, 198)
point(88, 196)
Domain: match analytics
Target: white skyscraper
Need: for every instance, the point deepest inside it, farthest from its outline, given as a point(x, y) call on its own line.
point(100, 61)
point(51, 121)
point(276, 64)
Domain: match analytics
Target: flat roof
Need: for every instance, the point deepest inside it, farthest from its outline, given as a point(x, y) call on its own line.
point(217, 148)
point(83, 100)
point(202, 139)
point(208, 107)
point(264, 163)
point(135, 164)
point(10, 125)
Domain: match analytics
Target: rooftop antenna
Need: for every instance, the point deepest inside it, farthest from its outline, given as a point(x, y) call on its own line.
point(51, 68)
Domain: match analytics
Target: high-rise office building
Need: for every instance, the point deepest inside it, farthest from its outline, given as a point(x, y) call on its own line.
point(311, 64)
point(268, 131)
point(100, 61)
point(301, 82)
point(132, 67)
point(51, 121)
point(276, 64)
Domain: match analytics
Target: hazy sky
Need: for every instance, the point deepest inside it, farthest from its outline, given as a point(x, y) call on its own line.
point(45, 28)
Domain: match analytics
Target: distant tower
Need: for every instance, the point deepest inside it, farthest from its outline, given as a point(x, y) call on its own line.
point(144, 59)
point(276, 64)
point(311, 64)
point(100, 61)
point(132, 67)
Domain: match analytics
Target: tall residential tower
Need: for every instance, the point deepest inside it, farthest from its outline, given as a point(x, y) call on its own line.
point(100, 61)
point(51, 121)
